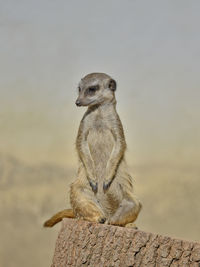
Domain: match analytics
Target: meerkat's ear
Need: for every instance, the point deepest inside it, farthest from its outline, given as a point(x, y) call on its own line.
point(112, 85)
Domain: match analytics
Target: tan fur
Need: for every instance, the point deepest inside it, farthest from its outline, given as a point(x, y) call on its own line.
point(103, 190)
point(68, 213)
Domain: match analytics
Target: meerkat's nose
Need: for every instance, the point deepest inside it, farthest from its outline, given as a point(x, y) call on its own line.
point(78, 103)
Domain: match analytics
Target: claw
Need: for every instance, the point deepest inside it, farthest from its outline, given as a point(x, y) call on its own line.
point(106, 186)
point(94, 187)
point(102, 220)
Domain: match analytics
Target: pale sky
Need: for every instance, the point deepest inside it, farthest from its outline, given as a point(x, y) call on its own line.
point(151, 48)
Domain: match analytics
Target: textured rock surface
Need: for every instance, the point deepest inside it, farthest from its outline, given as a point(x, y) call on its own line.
point(82, 243)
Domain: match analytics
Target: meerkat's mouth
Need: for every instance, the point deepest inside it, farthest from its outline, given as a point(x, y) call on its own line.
point(91, 102)
point(88, 104)
point(79, 103)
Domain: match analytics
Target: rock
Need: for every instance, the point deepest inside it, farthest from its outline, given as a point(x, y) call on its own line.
point(82, 243)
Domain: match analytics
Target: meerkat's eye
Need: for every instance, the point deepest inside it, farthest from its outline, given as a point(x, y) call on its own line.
point(79, 89)
point(93, 89)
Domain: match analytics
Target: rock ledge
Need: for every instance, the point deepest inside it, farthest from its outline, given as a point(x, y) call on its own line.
point(82, 243)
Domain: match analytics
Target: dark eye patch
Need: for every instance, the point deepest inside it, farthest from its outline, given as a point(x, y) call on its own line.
point(91, 90)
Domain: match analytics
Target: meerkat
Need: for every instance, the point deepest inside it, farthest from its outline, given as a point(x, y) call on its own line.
point(103, 191)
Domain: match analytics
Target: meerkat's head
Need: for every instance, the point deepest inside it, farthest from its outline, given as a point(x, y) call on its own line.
point(96, 89)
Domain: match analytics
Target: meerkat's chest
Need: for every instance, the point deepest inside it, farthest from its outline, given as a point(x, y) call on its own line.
point(99, 138)
point(100, 141)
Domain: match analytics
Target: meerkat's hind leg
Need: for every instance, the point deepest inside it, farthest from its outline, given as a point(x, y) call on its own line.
point(126, 213)
point(85, 204)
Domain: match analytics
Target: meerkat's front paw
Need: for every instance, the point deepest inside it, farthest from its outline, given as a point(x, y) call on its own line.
point(94, 186)
point(106, 185)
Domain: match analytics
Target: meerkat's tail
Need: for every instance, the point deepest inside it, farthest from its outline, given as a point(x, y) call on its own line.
point(67, 213)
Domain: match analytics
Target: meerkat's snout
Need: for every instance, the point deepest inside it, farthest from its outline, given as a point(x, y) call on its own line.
point(78, 103)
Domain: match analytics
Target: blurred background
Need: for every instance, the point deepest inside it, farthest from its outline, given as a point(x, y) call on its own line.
point(152, 49)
